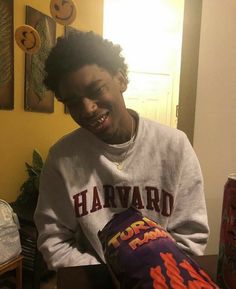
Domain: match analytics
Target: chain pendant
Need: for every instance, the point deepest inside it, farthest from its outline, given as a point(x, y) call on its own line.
point(119, 166)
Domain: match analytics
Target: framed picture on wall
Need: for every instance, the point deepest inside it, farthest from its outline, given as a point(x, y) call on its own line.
point(37, 97)
point(6, 55)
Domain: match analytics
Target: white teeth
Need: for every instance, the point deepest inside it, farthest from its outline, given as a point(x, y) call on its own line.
point(98, 121)
point(101, 119)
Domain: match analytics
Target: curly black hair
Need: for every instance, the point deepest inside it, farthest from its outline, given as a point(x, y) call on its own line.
point(78, 49)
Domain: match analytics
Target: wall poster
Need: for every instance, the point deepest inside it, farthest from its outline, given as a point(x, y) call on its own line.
point(37, 97)
point(6, 55)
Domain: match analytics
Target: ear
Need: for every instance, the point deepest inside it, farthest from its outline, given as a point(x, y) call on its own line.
point(122, 80)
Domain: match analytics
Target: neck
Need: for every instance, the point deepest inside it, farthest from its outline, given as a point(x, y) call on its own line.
point(126, 131)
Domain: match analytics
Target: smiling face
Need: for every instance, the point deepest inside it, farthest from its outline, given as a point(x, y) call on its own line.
point(63, 11)
point(28, 39)
point(95, 101)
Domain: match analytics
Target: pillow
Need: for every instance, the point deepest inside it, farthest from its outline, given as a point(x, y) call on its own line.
point(142, 255)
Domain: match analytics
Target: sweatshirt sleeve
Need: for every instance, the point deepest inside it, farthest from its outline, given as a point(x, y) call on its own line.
point(189, 223)
point(58, 230)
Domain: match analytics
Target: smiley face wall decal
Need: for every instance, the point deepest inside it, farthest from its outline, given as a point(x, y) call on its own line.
point(28, 39)
point(63, 11)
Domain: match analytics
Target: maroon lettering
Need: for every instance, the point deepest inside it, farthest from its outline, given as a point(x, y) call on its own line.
point(96, 205)
point(124, 195)
point(109, 196)
point(152, 198)
point(80, 204)
point(136, 200)
point(167, 205)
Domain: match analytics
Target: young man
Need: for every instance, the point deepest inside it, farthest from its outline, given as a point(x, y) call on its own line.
point(114, 160)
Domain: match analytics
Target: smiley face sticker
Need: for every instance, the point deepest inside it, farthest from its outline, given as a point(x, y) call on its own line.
point(63, 11)
point(28, 39)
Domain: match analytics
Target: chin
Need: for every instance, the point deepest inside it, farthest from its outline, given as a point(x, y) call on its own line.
point(105, 138)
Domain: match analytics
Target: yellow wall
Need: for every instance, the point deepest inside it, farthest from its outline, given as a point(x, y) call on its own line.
point(23, 131)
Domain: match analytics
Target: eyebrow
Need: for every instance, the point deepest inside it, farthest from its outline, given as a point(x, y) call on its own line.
point(92, 85)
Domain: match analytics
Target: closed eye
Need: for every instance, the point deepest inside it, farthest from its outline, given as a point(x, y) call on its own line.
point(74, 99)
point(97, 92)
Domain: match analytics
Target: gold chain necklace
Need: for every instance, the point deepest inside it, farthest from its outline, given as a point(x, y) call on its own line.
point(119, 165)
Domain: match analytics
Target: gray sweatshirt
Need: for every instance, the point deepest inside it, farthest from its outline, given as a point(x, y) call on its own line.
point(81, 188)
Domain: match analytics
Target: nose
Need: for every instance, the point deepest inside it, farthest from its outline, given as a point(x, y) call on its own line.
point(89, 107)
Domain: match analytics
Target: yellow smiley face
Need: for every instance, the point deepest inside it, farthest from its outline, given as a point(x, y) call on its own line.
point(63, 11)
point(28, 39)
